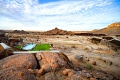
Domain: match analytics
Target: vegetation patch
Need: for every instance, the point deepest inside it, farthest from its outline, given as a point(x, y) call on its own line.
point(89, 66)
point(39, 47)
point(18, 47)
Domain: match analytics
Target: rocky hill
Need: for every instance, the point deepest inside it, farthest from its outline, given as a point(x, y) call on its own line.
point(57, 31)
point(112, 29)
point(20, 31)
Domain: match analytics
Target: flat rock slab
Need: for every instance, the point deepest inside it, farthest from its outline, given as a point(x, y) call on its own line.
point(26, 61)
point(16, 74)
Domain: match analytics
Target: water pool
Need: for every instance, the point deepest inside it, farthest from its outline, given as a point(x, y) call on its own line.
point(29, 46)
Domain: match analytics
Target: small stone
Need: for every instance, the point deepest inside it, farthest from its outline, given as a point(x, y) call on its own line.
point(97, 73)
point(84, 71)
point(87, 59)
point(93, 63)
point(66, 71)
point(88, 75)
point(110, 63)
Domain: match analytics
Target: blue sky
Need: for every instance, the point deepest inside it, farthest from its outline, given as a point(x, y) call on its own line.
point(65, 14)
point(47, 1)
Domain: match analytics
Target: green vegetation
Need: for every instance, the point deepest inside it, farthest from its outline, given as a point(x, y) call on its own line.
point(39, 47)
point(18, 47)
point(89, 66)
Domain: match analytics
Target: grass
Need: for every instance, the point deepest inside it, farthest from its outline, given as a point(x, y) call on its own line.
point(43, 47)
point(18, 47)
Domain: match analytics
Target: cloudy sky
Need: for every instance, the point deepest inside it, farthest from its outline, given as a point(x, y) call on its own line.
point(64, 14)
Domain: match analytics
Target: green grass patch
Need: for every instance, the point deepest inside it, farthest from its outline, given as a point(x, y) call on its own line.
point(18, 47)
point(43, 47)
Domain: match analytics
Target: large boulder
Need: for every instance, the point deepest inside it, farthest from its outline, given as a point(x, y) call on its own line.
point(50, 61)
point(26, 61)
point(16, 74)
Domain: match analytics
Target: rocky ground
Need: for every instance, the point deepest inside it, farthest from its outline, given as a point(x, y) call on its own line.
point(79, 60)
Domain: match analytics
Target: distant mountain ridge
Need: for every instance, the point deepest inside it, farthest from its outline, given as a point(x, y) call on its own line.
point(112, 29)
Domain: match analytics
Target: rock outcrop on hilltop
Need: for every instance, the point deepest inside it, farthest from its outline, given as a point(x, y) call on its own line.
point(57, 31)
point(112, 29)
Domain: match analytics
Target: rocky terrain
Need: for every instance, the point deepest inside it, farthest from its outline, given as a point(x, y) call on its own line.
point(57, 31)
point(78, 57)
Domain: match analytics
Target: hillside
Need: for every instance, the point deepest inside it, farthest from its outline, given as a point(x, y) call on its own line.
point(112, 29)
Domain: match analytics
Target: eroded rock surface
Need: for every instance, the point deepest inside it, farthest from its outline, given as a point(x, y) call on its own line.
point(6, 53)
point(49, 61)
point(26, 61)
point(16, 74)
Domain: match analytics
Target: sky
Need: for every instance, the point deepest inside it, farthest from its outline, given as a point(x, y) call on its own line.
point(73, 15)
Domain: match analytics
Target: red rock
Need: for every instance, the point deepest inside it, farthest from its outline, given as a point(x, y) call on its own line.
point(26, 61)
point(52, 61)
point(94, 63)
point(16, 74)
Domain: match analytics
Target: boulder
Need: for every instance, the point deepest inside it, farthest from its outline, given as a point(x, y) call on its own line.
point(73, 75)
point(26, 61)
point(50, 61)
point(6, 53)
point(16, 74)
point(58, 75)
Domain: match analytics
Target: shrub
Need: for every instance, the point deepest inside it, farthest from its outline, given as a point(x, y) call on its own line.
point(89, 66)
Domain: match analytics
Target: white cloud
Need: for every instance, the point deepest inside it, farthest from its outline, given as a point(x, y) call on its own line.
point(64, 14)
